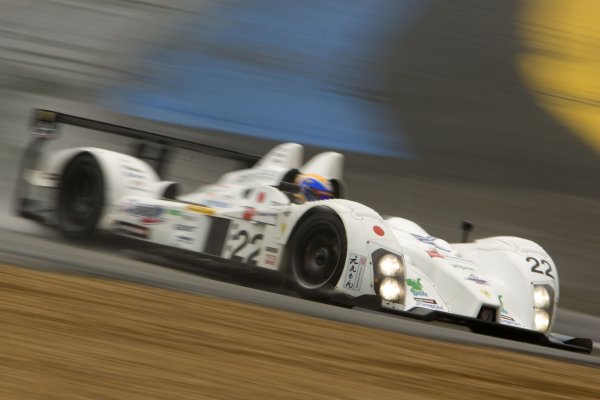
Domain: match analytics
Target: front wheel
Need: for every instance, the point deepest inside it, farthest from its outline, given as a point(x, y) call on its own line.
point(317, 254)
point(80, 197)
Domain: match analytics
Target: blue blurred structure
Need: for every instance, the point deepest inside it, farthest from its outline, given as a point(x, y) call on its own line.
point(309, 71)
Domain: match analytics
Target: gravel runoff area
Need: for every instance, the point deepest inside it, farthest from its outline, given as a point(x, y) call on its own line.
point(69, 337)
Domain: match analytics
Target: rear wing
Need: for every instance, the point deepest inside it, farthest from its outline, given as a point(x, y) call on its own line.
point(45, 124)
point(151, 147)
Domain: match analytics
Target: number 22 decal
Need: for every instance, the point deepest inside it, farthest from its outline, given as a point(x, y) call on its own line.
point(538, 265)
point(245, 238)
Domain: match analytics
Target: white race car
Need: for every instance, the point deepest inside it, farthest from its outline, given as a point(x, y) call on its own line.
point(333, 249)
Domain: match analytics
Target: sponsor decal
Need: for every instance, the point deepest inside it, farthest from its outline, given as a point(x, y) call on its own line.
point(463, 267)
point(502, 309)
point(416, 287)
point(184, 239)
point(428, 303)
point(200, 209)
point(136, 185)
point(283, 227)
point(144, 210)
point(441, 249)
point(270, 259)
point(132, 175)
point(131, 229)
point(423, 300)
point(261, 197)
point(378, 230)
point(434, 254)
point(184, 228)
point(176, 213)
point(217, 203)
point(354, 274)
point(486, 293)
point(249, 213)
point(504, 317)
point(266, 214)
point(150, 220)
point(132, 172)
point(432, 240)
point(189, 217)
point(148, 213)
point(477, 279)
point(132, 168)
point(507, 320)
point(273, 250)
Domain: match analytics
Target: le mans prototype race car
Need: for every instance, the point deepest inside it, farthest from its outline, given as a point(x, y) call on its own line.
point(335, 249)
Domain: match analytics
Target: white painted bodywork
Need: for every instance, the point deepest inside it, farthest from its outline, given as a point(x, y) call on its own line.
point(244, 216)
point(493, 271)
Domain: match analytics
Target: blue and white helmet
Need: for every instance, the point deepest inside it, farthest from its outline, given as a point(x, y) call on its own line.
point(315, 187)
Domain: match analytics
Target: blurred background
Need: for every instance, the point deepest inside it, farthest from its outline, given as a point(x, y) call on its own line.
point(445, 110)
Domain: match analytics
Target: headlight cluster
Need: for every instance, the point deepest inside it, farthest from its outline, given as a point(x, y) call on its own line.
point(390, 274)
point(543, 303)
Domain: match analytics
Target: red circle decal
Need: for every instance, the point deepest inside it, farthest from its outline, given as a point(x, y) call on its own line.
point(378, 230)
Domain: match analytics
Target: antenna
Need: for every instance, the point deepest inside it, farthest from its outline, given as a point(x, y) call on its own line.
point(466, 227)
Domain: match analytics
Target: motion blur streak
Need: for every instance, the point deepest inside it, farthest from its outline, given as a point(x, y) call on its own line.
point(561, 61)
point(308, 71)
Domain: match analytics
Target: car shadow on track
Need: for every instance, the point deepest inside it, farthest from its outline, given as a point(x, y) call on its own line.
point(189, 262)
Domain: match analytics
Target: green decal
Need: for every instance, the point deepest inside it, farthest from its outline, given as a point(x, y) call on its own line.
point(502, 309)
point(415, 286)
point(175, 212)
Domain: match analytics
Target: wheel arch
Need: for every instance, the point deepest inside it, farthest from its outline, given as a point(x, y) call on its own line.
point(122, 174)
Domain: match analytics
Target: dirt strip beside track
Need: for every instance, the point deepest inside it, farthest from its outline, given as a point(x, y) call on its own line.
point(69, 337)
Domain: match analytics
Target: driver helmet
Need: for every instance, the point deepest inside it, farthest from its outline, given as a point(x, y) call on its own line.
point(314, 187)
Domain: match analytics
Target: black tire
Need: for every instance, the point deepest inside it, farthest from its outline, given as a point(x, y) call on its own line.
point(316, 254)
point(80, 197)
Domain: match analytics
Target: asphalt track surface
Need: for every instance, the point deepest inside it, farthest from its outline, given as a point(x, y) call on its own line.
point(485, 155)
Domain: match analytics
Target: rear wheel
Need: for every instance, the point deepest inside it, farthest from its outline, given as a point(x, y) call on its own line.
point(81, 197)
point(316, 254)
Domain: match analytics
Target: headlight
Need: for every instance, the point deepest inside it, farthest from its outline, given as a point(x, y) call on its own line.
point(391, 265)
point(541, 297)
point(390, 289)
point(541, 321)
point(389, 274)
point(543, 307)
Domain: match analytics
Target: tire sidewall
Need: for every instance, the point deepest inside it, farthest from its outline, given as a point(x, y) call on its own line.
point(321, 217)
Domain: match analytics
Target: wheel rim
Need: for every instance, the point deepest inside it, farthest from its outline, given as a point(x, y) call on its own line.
point(319, 256)
point(83, 194)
